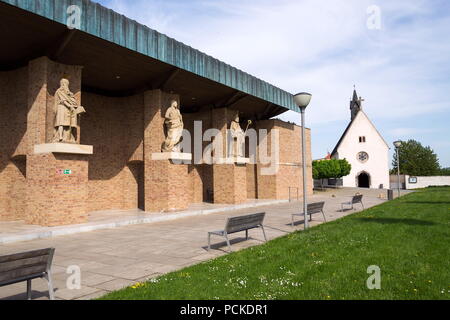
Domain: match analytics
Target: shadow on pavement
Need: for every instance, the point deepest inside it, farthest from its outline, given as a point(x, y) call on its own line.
point(222, 245)
point(23, 296)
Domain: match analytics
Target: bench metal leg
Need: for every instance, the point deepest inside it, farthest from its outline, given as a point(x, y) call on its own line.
point(264, 233)
point(310, 217)
point(28, 289)
point(292, 218)
point(51, 292)
point(362, 205)
point(324, 218)
point(228, 241)
point(246, 234)
point(209, 241)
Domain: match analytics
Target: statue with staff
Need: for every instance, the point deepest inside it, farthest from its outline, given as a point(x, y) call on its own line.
point(238, 137)
point(67, 111)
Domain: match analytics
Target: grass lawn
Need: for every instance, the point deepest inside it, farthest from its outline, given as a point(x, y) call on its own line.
point(408, 238)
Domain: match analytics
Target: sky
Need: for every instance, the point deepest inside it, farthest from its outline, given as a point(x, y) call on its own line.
point(396, 53)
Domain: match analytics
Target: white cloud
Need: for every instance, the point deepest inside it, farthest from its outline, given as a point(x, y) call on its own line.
point(408, 132)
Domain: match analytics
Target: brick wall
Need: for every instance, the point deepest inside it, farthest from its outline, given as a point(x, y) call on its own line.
point(54, 198)
point(289, 172)
point(13, 121)
point(230, 185)
point(113, 126)
point(291, 153)
point(201, 174)
point(252, 182)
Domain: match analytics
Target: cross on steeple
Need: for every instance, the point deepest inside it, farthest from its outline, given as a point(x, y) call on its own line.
point(355, 103)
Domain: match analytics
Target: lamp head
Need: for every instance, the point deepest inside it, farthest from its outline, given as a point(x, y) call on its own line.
point(302, 99)
point(398, 144)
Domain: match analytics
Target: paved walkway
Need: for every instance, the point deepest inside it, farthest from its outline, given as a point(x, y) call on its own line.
point(17, 231)
point(111, 259)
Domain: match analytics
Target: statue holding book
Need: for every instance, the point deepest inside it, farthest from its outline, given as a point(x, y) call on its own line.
point(67, 112)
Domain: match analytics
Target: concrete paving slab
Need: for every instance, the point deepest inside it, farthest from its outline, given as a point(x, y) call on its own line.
point(94, 295)
point(115, 284)
point(68, 294)
point(11, 232)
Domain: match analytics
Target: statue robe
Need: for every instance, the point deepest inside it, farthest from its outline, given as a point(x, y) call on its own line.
point(174, 127)
point(66, 109)
point(238, 140)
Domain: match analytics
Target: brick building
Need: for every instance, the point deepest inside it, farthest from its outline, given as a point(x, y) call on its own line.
point(125, 75)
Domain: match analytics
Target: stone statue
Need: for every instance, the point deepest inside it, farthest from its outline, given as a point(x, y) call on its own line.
point(238, 136)
point(174, 128)
point(67, 112)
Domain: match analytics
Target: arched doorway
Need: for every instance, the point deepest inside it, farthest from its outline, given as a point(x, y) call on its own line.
point(363, 180)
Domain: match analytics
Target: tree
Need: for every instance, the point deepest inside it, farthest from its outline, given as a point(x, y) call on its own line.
point(444, 172)
point(416, 160)
point(345, 168)
point(330, 169)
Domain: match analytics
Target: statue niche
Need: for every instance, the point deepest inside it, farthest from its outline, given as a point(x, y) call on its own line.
point(174, 128)
point(67, 112)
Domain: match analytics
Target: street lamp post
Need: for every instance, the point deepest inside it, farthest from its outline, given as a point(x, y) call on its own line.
point(397, 145)
point(302, 100)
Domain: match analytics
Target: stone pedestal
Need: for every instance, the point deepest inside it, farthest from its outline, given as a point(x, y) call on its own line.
point(230, 183)
point(174, 157)
point(233, 160)
point(57, 185)
point(63, 148)
point(168, 186)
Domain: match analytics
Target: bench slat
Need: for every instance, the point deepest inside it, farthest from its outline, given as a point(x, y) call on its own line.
point(16, 264)
point(248, 217)
point(242, 228)
point(241, 223)
point(315, 207)
point(17, 280)
point(244, 221)
point(23, 272)
point(25, 255)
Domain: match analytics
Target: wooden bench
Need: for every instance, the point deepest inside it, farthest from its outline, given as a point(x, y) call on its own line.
point(238, 224)
point(312, 208)
point(27, 266)
point(355, 199)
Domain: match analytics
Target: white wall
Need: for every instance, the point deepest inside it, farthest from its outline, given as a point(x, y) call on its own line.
point(377, 165)
point(424, 182)
point(394, 181)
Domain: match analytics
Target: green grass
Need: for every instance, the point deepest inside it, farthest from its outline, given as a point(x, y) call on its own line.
point(408, 238)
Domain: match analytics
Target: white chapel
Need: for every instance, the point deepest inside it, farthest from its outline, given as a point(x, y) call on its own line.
point(365, 149)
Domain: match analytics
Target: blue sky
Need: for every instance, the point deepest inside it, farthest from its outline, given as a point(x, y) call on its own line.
point(325, 47)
